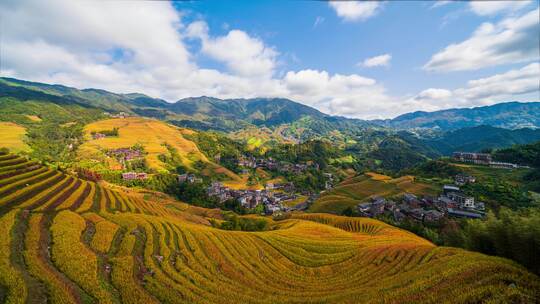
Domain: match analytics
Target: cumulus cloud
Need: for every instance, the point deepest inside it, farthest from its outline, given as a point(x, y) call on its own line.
point(433, 94)
point(440, 3)
point(484, 91)
point(143, 47)
point(514, 82)
point(243, 55)
point(512, 40)
point(487, 8)
point(355, 10)
point(381, 60)
point(347, 95)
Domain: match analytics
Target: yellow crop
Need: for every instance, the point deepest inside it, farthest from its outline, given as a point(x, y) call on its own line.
point(87, 243)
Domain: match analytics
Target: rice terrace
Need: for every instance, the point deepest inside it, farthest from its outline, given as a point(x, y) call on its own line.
point(70, 241)
point(269, 152)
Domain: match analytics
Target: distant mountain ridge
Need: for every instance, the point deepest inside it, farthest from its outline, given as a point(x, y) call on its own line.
point(508, 115)
point(233, 114)
point(393, 144)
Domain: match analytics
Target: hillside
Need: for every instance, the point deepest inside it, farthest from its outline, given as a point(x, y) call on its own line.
point(510, 115)
point(234, 114)
point(264, 123)
point(356, 190)
point(72, 241)
point(12, 136)
point(157, 138)
point(475, 139)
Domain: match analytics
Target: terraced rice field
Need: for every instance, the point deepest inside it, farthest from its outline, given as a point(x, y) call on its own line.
point(12, 136)
point(353, 191)
point(64, 240)
point(152, 135)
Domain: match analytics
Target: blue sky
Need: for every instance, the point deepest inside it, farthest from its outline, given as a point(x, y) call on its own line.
point(424, 55)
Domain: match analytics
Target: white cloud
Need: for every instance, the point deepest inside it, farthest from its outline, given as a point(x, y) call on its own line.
point(347, 95)
point(488, 8)
point(381, 60)
point(103, 44)
point(355, 10)
point(484, 91)
point(512, 40)
point(319, 20)
point(440, 3)
point(505, 85)
point(433, 94)
point(243, 55)
point(142, 47)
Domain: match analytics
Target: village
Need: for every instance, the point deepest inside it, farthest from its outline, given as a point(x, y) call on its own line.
point(451, 203)
point(274, 195)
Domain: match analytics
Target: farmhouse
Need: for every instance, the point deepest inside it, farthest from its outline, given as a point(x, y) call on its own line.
point(373, 208)
point(469, 157)
point(98, 136)
point(189, 177)
point(432, 215)
point(134, 175)
point(463, 200)
point(411, 200)
point(125, 154)
point(461, 180)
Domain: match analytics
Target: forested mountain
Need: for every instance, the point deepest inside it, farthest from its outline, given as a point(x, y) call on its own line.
point(510, 115)
point(270, 121)
point(233, 114)
point(478, 138)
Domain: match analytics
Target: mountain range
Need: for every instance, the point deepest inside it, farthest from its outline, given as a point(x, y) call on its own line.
point(417, 135)
point(227, 114)
point(509, 115)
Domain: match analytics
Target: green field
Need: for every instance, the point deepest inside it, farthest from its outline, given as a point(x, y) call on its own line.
point(514, 176)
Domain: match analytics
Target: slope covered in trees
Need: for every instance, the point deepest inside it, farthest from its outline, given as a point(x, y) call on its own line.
point(67, 240)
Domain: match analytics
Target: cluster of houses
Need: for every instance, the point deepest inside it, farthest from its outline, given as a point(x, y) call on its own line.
point(98, 135)
point(273, 165)
point(271, 199)
point(117, 115)
point(124, 155)
point(134, 175)
point(189, 178)
point(451, 203)
point(483, 159)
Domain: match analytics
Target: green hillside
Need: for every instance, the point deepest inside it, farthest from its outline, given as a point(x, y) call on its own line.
point(511, 115)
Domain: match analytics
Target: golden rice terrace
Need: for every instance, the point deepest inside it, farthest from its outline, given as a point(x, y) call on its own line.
point(65, 240)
